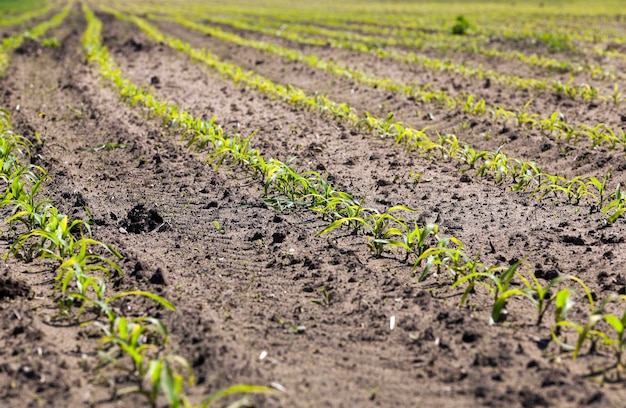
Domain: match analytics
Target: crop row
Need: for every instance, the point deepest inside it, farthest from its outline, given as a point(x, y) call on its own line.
point(575, 39)
point(418, 39)
point(12, 42)
point(376, 46)
point(386, 230)
point(564, 35)
point(556, 33)
point(380, 37)
point(11, 20)
point(549, 28)
point(524, 176)
point(137, 345)
point(598, 134)
point(431, 17)
point(554, 125)
point(84, 267)
point(575, 35)
point(82, 261)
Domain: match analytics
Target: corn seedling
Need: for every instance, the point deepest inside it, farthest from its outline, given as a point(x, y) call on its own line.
point(617, 97)
point(618, 342)
point(439, 256)
point(499, 287)
point(525, 175)
point(50, 43)
point(586, 332)
point(383, 229)
point(600, 187)
point(616, 207)
point(541, 297)
point(416, 241)
point(138, 338)
point(471, 156)
point(474, 108)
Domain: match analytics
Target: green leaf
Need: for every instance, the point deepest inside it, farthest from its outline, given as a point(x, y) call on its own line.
point(430, 261)
point(154, 373)
point(615, 322)
point(500, 303)
point(164, 302)
point(470, 276)
point(585, 333)
point(616, 215)
point(506, 277)
point(169, 385)
point(338, 223)
point(400, 208)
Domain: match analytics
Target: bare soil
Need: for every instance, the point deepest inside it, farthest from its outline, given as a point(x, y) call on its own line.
point(246, 278)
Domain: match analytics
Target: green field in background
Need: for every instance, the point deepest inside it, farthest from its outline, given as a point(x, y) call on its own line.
point(13, 7)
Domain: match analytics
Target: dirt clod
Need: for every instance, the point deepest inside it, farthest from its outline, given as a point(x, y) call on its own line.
point(141, 220)
point(11, 288)
point(28, 47)
point(158, 278)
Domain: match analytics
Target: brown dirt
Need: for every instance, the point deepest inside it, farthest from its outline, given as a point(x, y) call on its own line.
point(248, 286)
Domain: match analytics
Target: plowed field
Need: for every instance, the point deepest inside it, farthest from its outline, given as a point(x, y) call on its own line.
point(461, 244)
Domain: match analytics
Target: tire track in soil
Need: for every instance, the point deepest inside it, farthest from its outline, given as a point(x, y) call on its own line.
point(136, 66)
point(555, 157)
